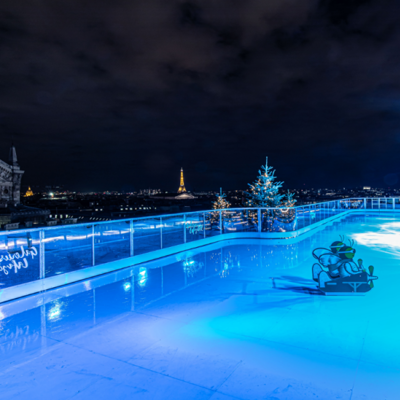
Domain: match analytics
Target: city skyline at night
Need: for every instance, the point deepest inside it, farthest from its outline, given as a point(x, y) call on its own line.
point(117, 96)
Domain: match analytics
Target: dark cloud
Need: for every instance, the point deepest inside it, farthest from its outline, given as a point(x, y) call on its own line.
point(102, 94)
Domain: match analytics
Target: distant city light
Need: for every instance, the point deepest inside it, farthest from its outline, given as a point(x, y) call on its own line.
point(127, 286)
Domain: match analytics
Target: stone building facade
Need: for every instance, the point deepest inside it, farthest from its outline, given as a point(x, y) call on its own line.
point(10, 180)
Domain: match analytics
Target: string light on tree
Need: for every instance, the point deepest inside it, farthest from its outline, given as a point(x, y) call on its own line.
point(221, 202)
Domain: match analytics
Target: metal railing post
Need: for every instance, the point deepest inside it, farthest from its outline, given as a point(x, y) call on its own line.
point(184, 228)
point(220, 222)
point(259, 219)
point(42, 268)
point(93, 247)
point(393, 203)
point(204, 225)
point(131, 244)
point(365, 204)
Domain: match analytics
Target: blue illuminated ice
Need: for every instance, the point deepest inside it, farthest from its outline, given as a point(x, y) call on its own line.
point(212, 324)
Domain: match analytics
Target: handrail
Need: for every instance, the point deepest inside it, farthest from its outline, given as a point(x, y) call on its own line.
point(90, 223)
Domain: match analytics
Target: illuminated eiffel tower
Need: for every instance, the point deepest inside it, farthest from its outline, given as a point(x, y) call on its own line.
point(182, 188)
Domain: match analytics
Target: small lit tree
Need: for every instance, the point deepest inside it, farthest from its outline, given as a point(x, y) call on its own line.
point(219, 204)
point(221, 201)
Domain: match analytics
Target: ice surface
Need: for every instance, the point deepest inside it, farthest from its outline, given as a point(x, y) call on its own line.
point(213, 325)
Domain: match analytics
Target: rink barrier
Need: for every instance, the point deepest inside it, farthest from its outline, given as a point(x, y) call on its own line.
point(39, 259)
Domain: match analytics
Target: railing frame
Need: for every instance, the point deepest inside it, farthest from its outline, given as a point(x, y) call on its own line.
point(325, 210)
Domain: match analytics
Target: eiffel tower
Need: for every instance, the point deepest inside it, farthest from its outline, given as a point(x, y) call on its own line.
point(182, 188)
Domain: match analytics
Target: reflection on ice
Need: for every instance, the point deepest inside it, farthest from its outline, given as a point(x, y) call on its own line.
point(143, 276)
point(55, 311)
point(386, 240)
point(173, 328)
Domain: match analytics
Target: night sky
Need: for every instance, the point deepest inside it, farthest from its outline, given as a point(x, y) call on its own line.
point(120, 94)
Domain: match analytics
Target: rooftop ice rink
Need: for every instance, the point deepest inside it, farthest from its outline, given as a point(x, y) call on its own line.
point(210, 323)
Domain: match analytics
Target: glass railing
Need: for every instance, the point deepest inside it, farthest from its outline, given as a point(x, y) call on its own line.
point(33, 254)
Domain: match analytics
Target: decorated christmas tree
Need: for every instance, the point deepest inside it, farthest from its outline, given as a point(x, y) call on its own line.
point(219, 204)
point(221, 201)
point(264, 192)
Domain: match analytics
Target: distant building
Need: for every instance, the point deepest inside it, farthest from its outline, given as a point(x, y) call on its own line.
point(182, 188)
point(185, 196)
point(12, 213)
point(10, 180)
point(29, 192)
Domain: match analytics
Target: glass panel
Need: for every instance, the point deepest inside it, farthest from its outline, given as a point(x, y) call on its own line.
point(369, 204)
point(318, 213)
point(312, 214)
point(19, 258)
point(344, 205)
point(321, 211)
point(356, 204)
point(278, 220)
point(397, 204)
point(266, 220)
point(172, 231)
point(329, 209)
point(326, 210)
point(112, 241)
point(301, 217)
point(195, 224)
point(67, 249)
point(240, 221)
point(212, 223)
point(147, 235)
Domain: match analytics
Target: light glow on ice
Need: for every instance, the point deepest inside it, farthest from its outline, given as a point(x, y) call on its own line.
point(387, 239)
point(54, 312)
point(142, 276)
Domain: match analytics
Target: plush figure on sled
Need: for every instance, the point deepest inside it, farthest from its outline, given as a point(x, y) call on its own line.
point(337, 273)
